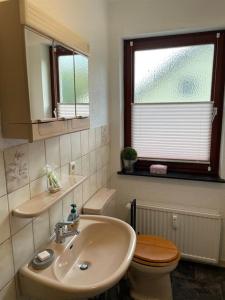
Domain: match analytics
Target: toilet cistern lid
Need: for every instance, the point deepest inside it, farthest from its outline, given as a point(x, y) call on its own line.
point(151, 248)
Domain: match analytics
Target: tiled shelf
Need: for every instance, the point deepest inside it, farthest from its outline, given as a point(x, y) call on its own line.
point(42, 202)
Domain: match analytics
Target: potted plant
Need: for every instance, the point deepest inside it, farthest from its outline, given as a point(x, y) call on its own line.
point(129, 157)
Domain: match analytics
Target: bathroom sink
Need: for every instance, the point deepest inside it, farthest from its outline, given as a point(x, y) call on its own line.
point(85, 265)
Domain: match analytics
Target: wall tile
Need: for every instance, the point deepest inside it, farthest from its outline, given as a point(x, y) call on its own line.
point(84, 142)
point(52, 152)
point(65, 171)
point(9, 291)
point(98, 137)
point(6, 263)
point(78, 197)
point(104, 135)
point(16, 164)
point(99, 179)
point(93, 164)
point(15, 199)
point(93, 184)
point(37, 160)
point(85, 165)
point(38, 186)
point(67, 201)
point(103, 155)
point(56, 215)
point(41, 230)
point(86, 190)
point(75, 145)
point(92, 139)
point(78, 167)
point(4, 219)
point(108, 171)
point(104, 175)
point(2, 176)
point(23, 246)
point(99, 158)
point(65, 149)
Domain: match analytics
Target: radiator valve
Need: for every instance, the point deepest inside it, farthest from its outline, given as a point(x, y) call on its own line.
point(174, 222)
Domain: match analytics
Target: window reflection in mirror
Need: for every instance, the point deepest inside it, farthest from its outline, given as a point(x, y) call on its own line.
point(64, 89)
point(39, 75)
point(70, 92)
point(81, 85)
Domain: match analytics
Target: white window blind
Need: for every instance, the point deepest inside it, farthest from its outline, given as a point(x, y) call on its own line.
point(82, 110)
point(173, 131)
point(68, 110)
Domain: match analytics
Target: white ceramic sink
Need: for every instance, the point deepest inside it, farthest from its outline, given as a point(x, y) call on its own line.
point(105, 244)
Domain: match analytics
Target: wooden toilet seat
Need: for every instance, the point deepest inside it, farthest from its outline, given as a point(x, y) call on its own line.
point(155, 251)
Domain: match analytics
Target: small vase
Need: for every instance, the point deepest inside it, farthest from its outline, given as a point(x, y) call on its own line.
point(53, 188)
point(129, 165)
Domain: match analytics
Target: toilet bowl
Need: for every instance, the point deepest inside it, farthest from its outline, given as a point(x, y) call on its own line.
point(149, 274)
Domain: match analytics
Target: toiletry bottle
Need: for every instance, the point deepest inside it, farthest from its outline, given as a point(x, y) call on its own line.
point(73, 213)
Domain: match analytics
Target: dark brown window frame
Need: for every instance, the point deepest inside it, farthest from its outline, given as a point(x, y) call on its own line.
point(215, 37)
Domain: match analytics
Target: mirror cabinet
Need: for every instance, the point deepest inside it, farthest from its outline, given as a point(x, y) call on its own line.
point(43, 75)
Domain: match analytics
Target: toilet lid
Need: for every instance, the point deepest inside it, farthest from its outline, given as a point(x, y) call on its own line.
point(155, 249)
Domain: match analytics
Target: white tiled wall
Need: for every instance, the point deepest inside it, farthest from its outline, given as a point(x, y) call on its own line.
point(22, 177)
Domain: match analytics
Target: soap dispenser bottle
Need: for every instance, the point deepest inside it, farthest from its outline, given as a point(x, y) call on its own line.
point(73, 216)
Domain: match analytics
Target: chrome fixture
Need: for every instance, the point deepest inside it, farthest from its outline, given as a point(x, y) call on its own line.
point(61, 231)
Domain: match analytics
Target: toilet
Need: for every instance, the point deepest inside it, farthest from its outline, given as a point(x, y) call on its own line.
point(154, 258)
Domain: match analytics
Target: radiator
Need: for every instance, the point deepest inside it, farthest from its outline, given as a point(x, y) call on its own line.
point(195, 232)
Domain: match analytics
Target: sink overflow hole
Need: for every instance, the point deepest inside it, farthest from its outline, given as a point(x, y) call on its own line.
point(83, 266)
point(71, 246)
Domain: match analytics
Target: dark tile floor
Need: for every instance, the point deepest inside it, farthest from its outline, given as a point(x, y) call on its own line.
point(190, 281)
point(193, 281)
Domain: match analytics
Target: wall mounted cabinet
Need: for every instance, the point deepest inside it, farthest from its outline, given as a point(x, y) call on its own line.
point(43, 74)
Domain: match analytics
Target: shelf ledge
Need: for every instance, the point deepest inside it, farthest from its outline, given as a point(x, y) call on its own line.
point(42, 202)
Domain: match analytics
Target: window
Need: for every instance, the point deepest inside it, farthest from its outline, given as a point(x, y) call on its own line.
point(173, 96)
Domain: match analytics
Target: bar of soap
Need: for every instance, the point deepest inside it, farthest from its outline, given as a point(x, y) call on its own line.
point(44, 255)
point(158, 169)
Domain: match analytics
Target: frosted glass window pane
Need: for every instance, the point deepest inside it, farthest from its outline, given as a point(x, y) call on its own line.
point(179, 74)
point(66, 79)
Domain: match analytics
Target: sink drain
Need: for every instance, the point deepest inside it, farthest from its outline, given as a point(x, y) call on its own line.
point(83, 266)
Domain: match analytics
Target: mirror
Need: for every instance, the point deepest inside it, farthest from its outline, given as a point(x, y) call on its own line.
point(81, 85)
point(57, 79)
point(39, 75)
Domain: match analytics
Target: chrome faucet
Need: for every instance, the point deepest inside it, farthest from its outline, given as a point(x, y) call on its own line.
point(61, 233)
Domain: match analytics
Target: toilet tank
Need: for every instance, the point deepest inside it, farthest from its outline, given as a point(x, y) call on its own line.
point(102, 203)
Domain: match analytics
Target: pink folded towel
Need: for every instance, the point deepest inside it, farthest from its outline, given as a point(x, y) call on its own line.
point(158, 169)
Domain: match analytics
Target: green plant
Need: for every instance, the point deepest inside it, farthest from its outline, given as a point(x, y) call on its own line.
point(129, 153)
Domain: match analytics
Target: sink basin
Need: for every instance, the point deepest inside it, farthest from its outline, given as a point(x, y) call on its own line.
point(85, 265)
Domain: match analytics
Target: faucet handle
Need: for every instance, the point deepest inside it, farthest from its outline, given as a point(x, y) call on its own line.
point(62, 224)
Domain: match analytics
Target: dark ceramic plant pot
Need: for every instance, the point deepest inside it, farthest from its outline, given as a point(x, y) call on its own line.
point(129, 165)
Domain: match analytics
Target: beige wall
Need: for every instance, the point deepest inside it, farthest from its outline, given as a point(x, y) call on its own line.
point(21, 166)
point(134, 18)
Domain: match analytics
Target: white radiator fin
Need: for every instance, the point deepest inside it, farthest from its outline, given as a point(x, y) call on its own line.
point(197, 236)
